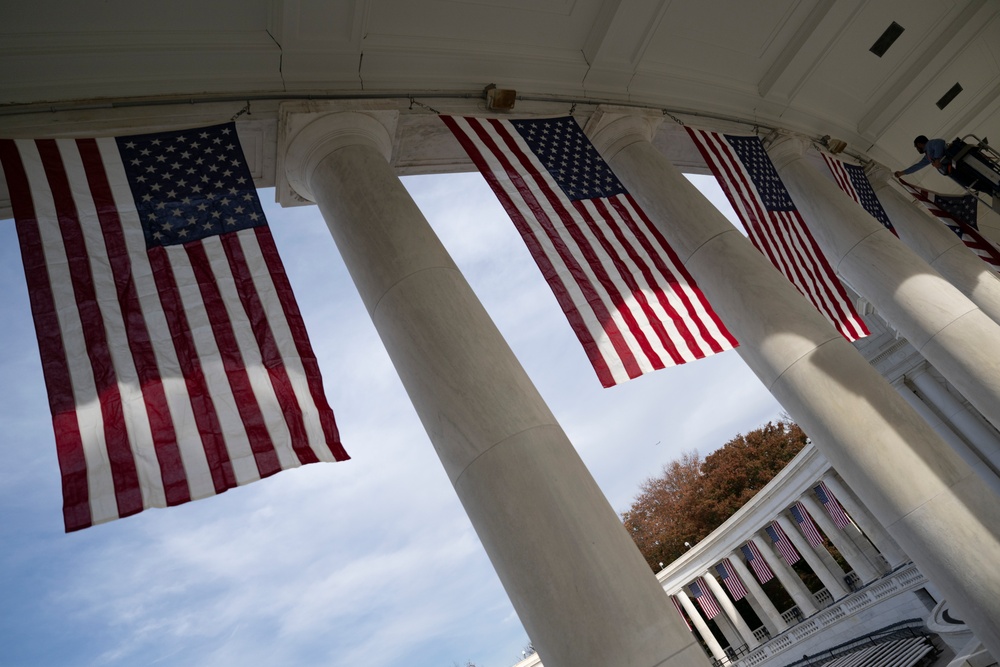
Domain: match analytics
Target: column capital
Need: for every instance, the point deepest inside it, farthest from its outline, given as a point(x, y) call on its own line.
point(786, 147)
point(878, 175)
point(612, 128)
point(309, 132)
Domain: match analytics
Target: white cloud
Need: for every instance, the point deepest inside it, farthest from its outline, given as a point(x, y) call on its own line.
point(371, 561)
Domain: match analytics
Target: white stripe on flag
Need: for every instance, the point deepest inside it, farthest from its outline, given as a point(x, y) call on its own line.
point(173, 372)
point(631, 316)
point(781, 236)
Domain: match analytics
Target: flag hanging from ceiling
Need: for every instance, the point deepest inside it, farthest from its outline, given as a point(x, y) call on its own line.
point(782, 543)
point(959, 213)
point(630, 301)
point(806, 524)
point(705, 599)
point(852, 180)
point(731, 580)
point(774, 225)
point(175, 358)
point(755, 559)
point(832, 505)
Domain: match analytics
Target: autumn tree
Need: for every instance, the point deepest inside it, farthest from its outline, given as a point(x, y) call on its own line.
point(693, 497)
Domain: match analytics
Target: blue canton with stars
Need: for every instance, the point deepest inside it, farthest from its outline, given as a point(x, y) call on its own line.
point(866, 194)
point(569, 157)
point(963, 207)
point(765, 178)
point(190, 184)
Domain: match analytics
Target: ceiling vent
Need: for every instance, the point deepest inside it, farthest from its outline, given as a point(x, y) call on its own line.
point(886, 39)
point(949, 96)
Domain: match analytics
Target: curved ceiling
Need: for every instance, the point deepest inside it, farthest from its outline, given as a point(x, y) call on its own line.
point(801, 64)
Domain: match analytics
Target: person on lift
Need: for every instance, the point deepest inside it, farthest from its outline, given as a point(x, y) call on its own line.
point(933, 151)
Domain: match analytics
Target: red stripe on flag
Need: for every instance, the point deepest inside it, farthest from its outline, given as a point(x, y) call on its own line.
point(55, 367)
point(202, 406)
point(298, 328)
point(841, 176)
point(538, 253)
point(168, 457)
point(680, 269)
point(128, 495)
point(246, 401)
point(781, 233)
point(625, 273)
point(593, 260)
point(764, 230)
point(270, 356)
point(620, 214)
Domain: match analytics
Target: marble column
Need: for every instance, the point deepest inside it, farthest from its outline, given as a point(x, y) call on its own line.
point(968, 453)
point(981, 436)
point(788, 577)
point(921, 490)
point(943, 325)
point(576, 580)
point(833, 581)
point(937, 245)
point(865, 571)
point(700, 626)
point(758, 599)
point(729, 609)
point(868, 524)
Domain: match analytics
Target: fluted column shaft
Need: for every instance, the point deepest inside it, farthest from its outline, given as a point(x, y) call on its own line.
point(868, 523)
point(700, 625)
point(729, 609)
point(857, 560)
point(759, 600)
point(982, 437)
point(921, 490)
point(969, 454)
point(948, 329)
point(576, 580)
point(833, 581)
point(788, 577)
point(937, 245)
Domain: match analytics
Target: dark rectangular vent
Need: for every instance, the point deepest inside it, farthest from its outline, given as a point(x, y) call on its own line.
point(886, 40)
point(949, 96)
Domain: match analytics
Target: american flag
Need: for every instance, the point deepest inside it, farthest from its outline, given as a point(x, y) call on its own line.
point(731, 580)
point(801, 516)
point(755, 559)
point(781, 541)
point(959, 213)
point(705, 599)
point(630, 301)
point(852, 180)
point(832, 505)
point(176, 361)
point(677, 606)
point(774, 225)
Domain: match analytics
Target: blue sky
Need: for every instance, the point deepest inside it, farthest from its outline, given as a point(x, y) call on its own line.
point(369, 562)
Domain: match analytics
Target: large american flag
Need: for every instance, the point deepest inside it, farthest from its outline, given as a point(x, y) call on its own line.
point(630, 301)
point(731, 580)
point(774, 225)
point(755, 559)
point(175, 358)
point(806, 524)
point(783, 544)
point(705, 599)
point(832, 505)
point(959, 213)
point(852, 180)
